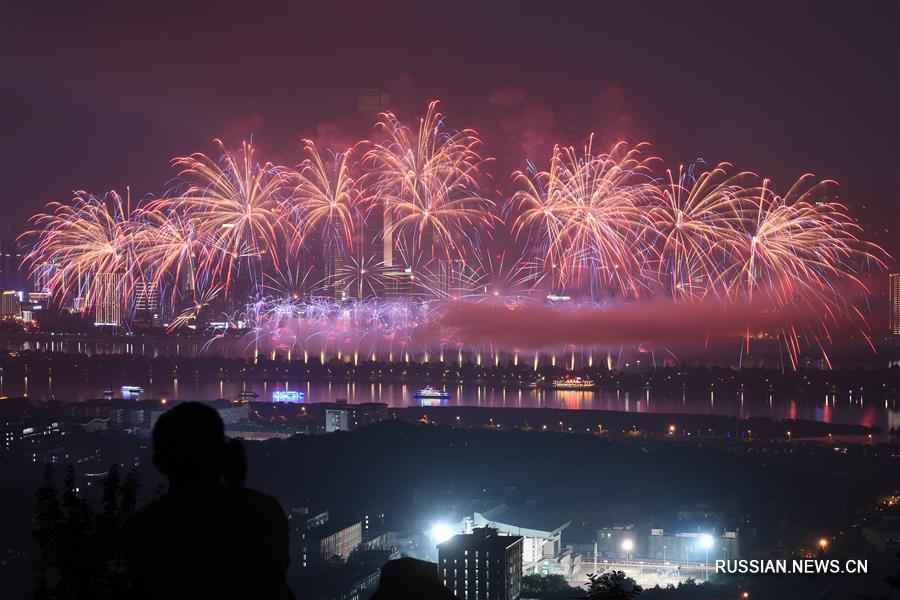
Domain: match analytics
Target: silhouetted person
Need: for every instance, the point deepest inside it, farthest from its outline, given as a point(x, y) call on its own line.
point(235, 463)
point(410, 578)
point(207, 536)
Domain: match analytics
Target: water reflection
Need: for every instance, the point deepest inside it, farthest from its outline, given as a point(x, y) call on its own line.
point(855, 409)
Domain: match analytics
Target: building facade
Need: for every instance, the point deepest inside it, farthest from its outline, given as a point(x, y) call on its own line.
point(895, 304)
point(687, 547)
point(108, 309)
point(10, 304)
point(146, 304)
point(541, 534)
point(339, 540)
point(482, 565)
point(336, 420)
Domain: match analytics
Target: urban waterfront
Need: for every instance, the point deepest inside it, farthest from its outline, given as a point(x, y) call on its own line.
point(867, 409)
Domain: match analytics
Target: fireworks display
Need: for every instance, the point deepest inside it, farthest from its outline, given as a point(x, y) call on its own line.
point(427, 184)
point(354, 251)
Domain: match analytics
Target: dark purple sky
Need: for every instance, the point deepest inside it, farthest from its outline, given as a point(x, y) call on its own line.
point(97, 96)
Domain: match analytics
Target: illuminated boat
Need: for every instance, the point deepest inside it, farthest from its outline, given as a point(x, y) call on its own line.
point(131, 391)
point(430, 395)
point(287, 396)
point(572, 383)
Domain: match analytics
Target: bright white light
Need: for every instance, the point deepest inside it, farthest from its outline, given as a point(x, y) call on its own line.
point(706, 541)
point(441, 532)
point(627, 545)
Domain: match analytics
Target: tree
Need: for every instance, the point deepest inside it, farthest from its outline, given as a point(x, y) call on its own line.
point(612, 585)
point(47, 520)
point(546, 586)
point(76, 560)
point(80, 555)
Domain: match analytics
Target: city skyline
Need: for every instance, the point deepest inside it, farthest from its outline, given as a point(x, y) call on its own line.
point(408, 216)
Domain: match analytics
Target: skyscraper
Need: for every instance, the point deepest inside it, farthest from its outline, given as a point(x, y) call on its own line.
point(110, 296)
point(482, 565)
point(10, 304)
point(895, 304)
point(332, 262)
point(146, 304)
point(11, 276)
point(370, 102)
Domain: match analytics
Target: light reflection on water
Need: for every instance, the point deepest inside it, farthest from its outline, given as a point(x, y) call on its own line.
point(831, 409)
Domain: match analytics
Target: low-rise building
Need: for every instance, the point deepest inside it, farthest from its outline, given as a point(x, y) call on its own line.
point(541, 533)
point(338, 540)
point(336, 420)
point(621, 541)
point(692, 546)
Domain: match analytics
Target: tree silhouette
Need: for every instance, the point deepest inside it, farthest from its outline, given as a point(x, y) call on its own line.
point(612, 585)
point(546, 587)
point(47, 521)
point(79, 547)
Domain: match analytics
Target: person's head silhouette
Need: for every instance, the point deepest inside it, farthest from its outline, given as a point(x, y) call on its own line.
point(189, 444)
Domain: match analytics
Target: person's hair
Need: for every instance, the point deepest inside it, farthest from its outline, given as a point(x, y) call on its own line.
point(189, 443)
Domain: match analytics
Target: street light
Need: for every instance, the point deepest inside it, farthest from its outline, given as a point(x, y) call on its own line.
point(441, 532)
point(706, 542)
point(627, 547)
point(823, 543)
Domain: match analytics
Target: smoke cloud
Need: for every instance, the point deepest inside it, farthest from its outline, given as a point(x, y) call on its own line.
point(539, 327)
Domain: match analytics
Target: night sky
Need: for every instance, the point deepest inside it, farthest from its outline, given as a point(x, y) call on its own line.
point(100, 96)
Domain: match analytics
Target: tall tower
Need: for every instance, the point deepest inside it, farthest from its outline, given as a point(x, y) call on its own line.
point(332, 263)
point(387, 237)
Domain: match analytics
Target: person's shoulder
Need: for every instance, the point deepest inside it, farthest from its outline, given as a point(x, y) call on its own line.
point(145, 516)
point(256, 498)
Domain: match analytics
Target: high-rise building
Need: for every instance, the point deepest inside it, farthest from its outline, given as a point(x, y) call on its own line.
point(109, 300)
point(482, 565)
point(387, 238)
point(895, 304)
point(11, 276)
point(449, 278)
point(10, 304)
point(398, 282)
point(43, 276)
point(332, 263)
point(146, 304)
point(371, 102)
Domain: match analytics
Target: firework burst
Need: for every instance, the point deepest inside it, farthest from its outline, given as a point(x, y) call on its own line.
point(427, 182)
point(235, 203)
point(698, 222)
point(326, 199)
point(167, 248)
point(83, 248)
point(587, 212)
point(595, 226)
